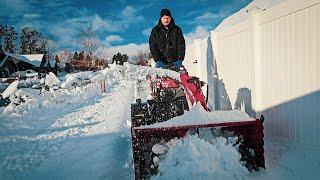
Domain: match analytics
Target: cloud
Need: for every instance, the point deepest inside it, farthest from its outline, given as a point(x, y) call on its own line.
point(147, 32)
point(114, 38)
point(65, 37)
point(31, 16)
point(105, 25)
point(129, 11)
point(207, 16)
point(130, 15)
point(199, 33)
point(10, 10)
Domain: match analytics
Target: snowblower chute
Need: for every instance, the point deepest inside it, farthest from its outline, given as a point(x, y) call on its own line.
point(171, 98)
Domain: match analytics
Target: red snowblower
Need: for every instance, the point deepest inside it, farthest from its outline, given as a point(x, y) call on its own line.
point(171, 98)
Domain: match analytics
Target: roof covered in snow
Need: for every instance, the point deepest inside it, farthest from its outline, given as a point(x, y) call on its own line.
point(34, 59)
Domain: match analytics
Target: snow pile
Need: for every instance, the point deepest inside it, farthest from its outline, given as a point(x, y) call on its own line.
point(30, 81)
point(11, 89)
point(197, 116)
point(51, 80)
point(33, 105)
point(244, 13)
point(77, 79)
point(195, 158)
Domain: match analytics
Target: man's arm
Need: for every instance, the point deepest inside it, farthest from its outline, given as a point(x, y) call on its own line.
point(154, 47)
point(181, 45)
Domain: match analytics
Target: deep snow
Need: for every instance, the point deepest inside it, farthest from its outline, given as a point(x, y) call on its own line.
point(195, 158)
point(79, 132)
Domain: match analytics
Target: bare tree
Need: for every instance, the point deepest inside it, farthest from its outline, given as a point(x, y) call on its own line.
point(51, 49)
point(88, 40)
point(102, 53)
point(10, 37)
point(142, 58)
point(32, 41)
point(42, 45)
point(65, 56)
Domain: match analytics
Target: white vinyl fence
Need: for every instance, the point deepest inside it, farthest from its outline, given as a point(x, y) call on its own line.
point(199, 62)
point(273, 58)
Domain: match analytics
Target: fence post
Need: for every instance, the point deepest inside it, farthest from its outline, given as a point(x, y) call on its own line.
point(258, 81)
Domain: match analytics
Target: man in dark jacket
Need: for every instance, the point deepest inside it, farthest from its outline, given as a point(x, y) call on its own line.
point(167, 44)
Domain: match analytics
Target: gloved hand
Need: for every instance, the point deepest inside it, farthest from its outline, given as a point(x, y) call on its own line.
point(177, 64)
point(160, 64)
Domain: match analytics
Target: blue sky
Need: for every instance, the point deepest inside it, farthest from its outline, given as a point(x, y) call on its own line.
point(117, 22)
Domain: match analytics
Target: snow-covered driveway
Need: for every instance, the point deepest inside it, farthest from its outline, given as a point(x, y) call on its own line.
point(102, 148)
point(73, 133)
point(92, 141)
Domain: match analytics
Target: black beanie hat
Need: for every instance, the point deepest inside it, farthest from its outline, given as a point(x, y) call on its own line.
point(165, 12)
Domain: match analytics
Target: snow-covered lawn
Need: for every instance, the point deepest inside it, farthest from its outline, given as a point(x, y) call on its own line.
point(82, 133)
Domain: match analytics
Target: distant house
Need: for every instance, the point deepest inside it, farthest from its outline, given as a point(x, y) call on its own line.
point(10, 63)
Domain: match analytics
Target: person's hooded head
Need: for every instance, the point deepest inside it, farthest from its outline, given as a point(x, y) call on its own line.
point(165, 18)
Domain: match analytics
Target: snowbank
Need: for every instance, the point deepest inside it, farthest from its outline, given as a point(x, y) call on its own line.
point(32, 106)
point(11, 89)
point(195, 158)
point(197, 116)
point(52, 80)
point(76, 79)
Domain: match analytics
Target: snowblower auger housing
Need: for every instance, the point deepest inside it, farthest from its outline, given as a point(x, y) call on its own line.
point(170, 98)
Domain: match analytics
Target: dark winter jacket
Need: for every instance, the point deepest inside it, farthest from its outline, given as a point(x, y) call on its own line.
point(167, 45)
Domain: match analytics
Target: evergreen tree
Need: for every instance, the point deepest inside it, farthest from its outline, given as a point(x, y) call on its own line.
point(124, 58)
point(117, 58)
point(10, 37)
point(120, 58)
point(88, 60)
point(81, 56)
point(76, 56)
point(57, 59)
